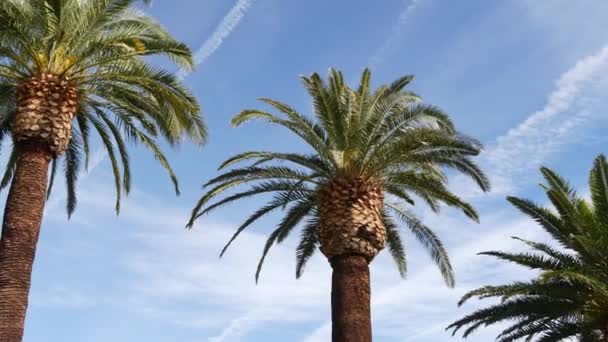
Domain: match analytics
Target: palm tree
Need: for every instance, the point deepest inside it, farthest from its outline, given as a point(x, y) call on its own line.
point(81, 62)
point(365, 145)
point(569, 299)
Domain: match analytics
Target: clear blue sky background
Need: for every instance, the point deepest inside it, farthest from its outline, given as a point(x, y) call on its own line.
point(527, 77)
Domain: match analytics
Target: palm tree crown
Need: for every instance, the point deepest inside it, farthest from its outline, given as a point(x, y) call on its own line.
point(569, 299)
point(94, 52)
point(384, 140)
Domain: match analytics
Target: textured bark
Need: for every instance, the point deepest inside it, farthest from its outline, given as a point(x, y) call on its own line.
point(46, 106)
point(20, 230)
point(350, 213)
point(350, 299)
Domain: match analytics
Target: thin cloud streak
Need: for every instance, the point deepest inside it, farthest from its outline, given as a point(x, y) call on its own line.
point(222, 31)
point(393, 40)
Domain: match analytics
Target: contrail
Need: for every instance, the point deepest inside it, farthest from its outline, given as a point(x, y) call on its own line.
point(222, 31)
point(391, 42)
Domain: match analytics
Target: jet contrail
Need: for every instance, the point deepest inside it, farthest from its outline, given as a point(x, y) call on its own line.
point(223, 30)
point(393, 39)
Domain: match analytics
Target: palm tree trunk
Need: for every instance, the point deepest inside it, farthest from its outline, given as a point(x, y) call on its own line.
point(20, 230)
point(350, 299)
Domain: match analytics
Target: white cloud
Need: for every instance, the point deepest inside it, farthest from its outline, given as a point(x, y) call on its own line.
point(178, 277)
point(178, 268)
point(222, 31)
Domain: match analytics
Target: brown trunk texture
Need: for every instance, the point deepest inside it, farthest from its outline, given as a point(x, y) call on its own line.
point(350, 213)
point(20, 230)
point(350, 299)
point(46, 106)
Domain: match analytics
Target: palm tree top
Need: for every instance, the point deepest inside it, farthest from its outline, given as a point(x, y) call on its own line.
point(360, 132)
point(98, 47)
point(569, 298)
point(384, 136)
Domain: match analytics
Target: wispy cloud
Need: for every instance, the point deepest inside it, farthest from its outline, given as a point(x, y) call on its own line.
point(391, 43)
point(574, 104)
point(179, 279)
point(177, 268)
point(222, 31)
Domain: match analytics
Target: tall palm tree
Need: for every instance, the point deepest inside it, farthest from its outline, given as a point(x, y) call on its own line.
point(569, 299)
point(68, 67)
point(365, 145)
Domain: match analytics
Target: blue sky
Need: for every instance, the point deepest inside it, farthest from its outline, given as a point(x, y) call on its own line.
point(527, 77)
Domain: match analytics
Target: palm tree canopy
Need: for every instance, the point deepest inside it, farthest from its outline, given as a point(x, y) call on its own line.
point(386, 135)
point(570, 296)
point(100, 46)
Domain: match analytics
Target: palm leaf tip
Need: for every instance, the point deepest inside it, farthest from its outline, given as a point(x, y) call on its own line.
point(190, 223)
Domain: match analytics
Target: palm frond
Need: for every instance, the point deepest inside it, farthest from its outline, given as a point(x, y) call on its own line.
point(291, 219)
point(569, 298)
point(395, 244)
point(429, 240)
point(598, 181)
point(309, 241)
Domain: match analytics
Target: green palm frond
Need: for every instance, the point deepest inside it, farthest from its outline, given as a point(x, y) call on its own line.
point(72, 170)
point(309, 242)
point(385, 135)
point(531, 261)
point(395, 244)
point(598, 181)
point(51, 178)
point(101, 46)
point(291, 219)
point(280, 200)
point(428, 239)
point(569, 298)
point(527, 328)
point(11, 164)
